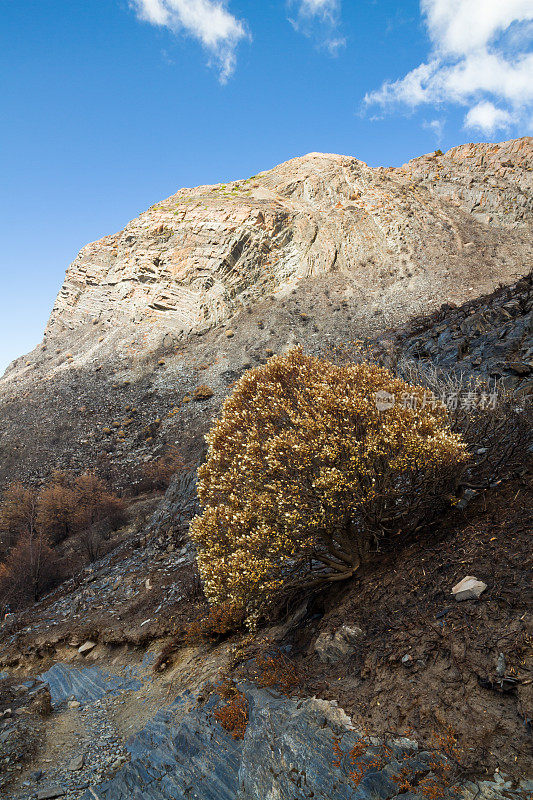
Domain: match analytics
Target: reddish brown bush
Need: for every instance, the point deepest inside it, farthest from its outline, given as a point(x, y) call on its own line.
point(218, 622)
point(95, 503)
point(32, 520)
point(57, 511)
point(157, 474)
point(30, 569)
point(19, 511)
point(64, 506)
point(433, 780)
point(91, 541)
point(276, 671)
point(360, 760)
point(233, 716)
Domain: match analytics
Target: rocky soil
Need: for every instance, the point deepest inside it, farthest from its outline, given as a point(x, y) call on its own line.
point(420, 659)
point(490, 337)
point(23, 706)
point(393, 649)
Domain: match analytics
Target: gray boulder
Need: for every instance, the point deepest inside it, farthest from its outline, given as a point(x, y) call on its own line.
point(287, 753)
point(333, 646)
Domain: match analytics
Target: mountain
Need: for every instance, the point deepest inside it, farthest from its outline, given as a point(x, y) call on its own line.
point(386, 686)
point(320, 249)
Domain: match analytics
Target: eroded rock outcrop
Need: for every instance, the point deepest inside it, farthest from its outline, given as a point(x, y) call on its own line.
point(320, 250)
point(193, 260)
point(288, 753)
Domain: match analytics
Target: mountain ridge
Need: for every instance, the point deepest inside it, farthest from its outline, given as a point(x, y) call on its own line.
point(245, 254)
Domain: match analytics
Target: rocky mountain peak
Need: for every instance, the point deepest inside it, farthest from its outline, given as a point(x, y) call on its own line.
point(440, 225)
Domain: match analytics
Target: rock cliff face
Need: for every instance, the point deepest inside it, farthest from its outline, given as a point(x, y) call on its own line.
point(193, 260)
point(319, 249)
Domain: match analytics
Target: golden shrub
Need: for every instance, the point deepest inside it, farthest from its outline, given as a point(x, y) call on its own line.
point(203, 392)
point(305, 474)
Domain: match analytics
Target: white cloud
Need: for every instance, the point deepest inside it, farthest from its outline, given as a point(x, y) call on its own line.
point(486, 117)
point(462, 26)
point(321, 8)
point(209, 21)
point(481, 55)
point(436, 126)
point(324, 12)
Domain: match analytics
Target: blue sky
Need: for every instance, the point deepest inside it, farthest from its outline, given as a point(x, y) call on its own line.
point(110, 105)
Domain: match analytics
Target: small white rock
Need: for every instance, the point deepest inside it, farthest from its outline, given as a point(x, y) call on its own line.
point(76, 763)
point(469, 588)
point(86, 647)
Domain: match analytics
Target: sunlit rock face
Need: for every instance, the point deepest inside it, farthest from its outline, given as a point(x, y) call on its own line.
point(426, 231)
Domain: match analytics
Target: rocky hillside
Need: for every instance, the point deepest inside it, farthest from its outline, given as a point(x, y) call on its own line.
point(214, 279)
point(490, 337)
point(389, 653)
point(101, 696)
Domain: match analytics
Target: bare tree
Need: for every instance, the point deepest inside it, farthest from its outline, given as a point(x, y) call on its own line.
point(19, 511)
point(30, 569)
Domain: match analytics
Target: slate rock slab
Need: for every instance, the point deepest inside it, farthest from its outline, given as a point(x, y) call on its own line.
point(287, 754)
point(51, 793)
point(86, 685)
